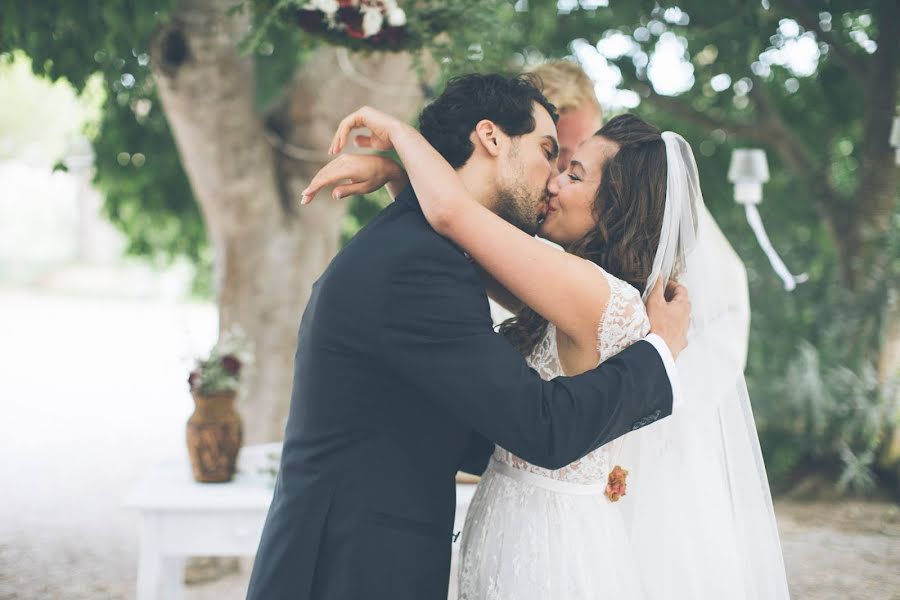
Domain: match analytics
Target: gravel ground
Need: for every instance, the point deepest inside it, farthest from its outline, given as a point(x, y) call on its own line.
point(92, 392)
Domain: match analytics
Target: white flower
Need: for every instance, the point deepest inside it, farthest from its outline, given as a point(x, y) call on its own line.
point(396, 18)
point(371, 22)
point(329, 7)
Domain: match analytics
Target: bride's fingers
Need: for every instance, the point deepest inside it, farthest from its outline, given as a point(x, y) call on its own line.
point(348, 124)
point(310, 193)
point(330, 174)
point(351, 189)
point(363, 141)
point(336, 139)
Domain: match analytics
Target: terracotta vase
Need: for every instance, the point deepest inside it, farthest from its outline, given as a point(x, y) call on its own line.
point(214, 436)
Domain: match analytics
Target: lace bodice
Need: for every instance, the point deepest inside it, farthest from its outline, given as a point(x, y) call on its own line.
point(624, 322)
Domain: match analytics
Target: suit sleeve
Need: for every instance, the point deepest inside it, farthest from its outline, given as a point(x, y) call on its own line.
point(437, 334)
point(478, 452)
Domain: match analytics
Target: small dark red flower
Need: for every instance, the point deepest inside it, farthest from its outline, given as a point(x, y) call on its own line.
point(311, 20)
point(352, 18)
point(193, 379)
point(394, 35)
point(231, 364)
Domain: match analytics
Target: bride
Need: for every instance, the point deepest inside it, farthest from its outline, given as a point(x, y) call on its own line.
point(679, 510)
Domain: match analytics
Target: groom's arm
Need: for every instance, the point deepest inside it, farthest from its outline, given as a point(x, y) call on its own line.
point(437, 334)
point(477, 453)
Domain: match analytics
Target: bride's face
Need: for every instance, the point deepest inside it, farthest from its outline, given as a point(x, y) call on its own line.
point(569, 213)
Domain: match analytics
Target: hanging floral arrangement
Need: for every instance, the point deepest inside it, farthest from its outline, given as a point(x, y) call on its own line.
point(388, 25)
point(381, 23)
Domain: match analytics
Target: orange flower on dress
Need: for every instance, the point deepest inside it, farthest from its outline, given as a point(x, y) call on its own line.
point(616, 486)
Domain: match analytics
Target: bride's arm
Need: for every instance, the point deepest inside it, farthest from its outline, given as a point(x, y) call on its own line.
point(566, 290)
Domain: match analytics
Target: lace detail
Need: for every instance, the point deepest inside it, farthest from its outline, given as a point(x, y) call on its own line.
point(624, 322)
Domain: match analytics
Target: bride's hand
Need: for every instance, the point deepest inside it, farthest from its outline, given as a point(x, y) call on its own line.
point(361, 174)
point(381, 125)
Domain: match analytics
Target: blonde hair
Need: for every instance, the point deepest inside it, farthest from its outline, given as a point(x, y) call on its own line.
point(567, 86)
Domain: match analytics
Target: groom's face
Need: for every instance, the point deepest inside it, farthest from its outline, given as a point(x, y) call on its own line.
point(525, 171)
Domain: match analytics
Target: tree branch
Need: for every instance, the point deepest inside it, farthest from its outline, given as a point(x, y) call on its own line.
point(682, 109)
point(794, 150)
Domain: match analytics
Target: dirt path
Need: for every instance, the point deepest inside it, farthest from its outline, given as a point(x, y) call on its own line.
point(844, 551)
point(841, 551)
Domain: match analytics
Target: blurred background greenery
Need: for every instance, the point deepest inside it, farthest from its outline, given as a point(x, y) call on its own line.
point(812, 82)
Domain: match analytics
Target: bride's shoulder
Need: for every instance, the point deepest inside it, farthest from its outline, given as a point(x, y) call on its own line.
point(602, 280)
point(621, 293)
point(613, 283)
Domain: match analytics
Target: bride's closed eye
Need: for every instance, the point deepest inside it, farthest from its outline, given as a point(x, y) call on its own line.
point(573, 177)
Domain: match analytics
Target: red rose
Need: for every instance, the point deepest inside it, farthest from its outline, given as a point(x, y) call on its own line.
point(193, 379)
point(231, 364)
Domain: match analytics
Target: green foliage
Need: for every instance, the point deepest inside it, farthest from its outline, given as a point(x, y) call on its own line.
point(39, 116)
point(146, 191)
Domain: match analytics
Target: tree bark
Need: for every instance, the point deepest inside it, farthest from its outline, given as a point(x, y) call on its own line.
point(266, 255)
point(877, 191)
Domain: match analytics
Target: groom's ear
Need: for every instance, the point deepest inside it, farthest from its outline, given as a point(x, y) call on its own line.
point(489, 136)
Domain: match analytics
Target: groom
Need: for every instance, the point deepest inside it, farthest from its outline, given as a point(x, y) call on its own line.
point(400, 380)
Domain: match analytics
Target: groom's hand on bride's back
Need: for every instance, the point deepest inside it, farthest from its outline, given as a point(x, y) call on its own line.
point(669, 311)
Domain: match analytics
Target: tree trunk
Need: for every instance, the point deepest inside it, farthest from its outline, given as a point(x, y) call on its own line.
point(877, 192)
point(266, 255)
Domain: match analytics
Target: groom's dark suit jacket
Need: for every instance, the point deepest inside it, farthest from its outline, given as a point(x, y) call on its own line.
point(400, 381)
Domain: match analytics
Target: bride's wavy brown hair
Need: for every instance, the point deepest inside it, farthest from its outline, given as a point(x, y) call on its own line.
point(628, 209)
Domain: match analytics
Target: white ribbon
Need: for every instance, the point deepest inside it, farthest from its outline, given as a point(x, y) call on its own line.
point(756, 224)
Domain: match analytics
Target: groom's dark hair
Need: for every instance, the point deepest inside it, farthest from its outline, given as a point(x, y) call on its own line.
point(448, 122)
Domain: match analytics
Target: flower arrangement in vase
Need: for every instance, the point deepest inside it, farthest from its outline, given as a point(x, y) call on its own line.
point(214, 429)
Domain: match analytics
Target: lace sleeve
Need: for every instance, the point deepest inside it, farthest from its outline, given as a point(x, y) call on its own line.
point(623, 322)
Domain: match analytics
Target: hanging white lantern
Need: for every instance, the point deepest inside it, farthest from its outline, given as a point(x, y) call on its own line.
point(895, 139)
point(748, 171)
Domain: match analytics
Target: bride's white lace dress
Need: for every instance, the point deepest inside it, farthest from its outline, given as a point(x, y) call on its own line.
point(536, 533)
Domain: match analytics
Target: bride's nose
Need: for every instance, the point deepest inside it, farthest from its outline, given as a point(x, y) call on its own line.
point(557, 182)
point(553, 185)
